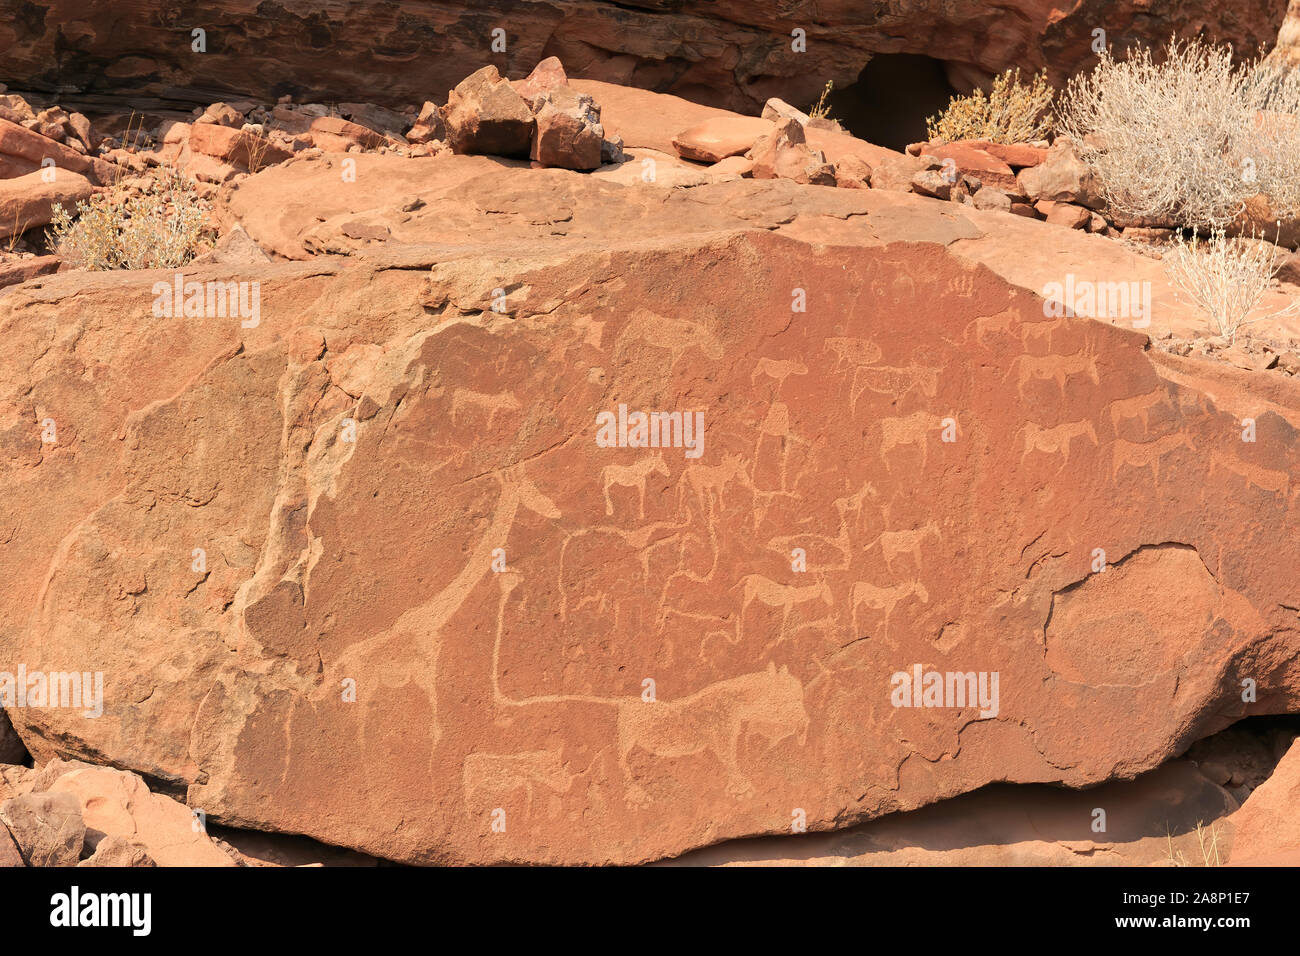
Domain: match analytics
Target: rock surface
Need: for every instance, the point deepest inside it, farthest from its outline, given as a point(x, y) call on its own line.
point(735, 54)
point(427, 397)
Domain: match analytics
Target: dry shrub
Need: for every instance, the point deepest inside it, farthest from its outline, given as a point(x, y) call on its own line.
point(158, 229)
point(1190, 139)
point(1012, 113)
point(1225, 278)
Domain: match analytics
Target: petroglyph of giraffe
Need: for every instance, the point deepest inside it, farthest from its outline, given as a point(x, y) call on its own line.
point(632, 476)
point(406, 653)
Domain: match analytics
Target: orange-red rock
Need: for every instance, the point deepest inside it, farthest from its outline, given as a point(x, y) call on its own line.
point(721, 137)
point(472, 349)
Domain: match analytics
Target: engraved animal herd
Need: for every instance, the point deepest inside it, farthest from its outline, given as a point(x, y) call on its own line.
point(770, 702)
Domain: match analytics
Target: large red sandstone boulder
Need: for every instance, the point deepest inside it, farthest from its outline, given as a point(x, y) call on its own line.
point(239, 148)
point(23, 151)
point(485, 115)
point(1062, 176)
point(332, 133)
point(783, 153)
point(568, 132)
point(441, 634)
point(969, 160)
point(27, 202)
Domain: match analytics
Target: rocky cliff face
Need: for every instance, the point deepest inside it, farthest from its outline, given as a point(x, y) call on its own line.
point(735, 53)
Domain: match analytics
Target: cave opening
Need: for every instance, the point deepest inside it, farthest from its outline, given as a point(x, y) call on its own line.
point(893, 95)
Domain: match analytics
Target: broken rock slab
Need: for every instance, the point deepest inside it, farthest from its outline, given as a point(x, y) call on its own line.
point(484, 114)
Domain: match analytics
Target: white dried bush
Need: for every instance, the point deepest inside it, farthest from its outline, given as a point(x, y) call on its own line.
point(1188, 140)
point(160, 228)
point(1226, 278)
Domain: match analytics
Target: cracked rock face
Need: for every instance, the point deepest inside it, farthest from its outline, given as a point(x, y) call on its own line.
point(369, 572)
point(735, 53)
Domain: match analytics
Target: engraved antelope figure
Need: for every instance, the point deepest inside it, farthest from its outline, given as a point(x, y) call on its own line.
point(632, 476)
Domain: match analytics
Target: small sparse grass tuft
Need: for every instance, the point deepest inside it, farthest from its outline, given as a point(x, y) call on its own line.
point(821, 109)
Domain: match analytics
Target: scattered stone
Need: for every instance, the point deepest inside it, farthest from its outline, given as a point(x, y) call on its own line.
point(777, 110)
point(852, 172)
point(568, 133)
point(931, 182)
point(118, 852)
point(993, 199)
point(1063, 214)
point(1061, 177)
point(337, 135)
point(222, 114)
point(47, 828)
point(428, 125)
point(485, 115)
point(716, 139)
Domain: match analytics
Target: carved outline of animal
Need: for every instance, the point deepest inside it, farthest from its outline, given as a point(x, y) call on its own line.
point(1139, 406)
point(1279, 481)
point(779, 369)
point(913, 429)
point(883, 599)
point(1056, 440)
point(1060, 367)
point(708, 481)
point(493, 403)
point(853, 352)
point(1146, 454)
point(898, 381)
point(775, 594)
point(714, 718)
point(907, 541)
point(498, 776)
point(632, 476)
